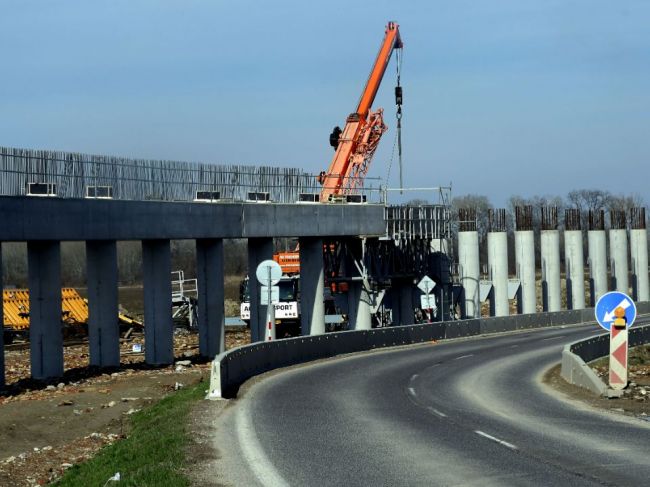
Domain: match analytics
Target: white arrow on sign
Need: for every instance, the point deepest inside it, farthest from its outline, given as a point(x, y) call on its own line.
point(609, 316)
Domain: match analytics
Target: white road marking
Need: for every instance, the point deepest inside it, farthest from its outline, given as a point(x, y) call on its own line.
point(439, 413)
point(553, 338)
point(497, 440)
point(464, 356)
point(413, 377)
point(253, 452)
point(412, 391)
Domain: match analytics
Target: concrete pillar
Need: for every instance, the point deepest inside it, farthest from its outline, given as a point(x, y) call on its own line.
point(312, 282)
point(211, 296)
point(525, 259)
point(525, 264)
point(497, 242)
point(597, 248)
point(259, 250)
point(470, 272)
point(575, 269)
point(45, 335)
point(103, 323)
point(550, 254)
point(618, 251)
point(359, 307)
point(574, 259)
point(639, 251)
point(551, 287)
point(158, 324)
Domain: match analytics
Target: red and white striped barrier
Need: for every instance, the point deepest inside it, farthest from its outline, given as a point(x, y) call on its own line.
point(618, 358)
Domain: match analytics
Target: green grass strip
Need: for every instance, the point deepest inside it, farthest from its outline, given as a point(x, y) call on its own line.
point(154, 452)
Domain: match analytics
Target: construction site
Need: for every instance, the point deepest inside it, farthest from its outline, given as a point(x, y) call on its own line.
point(120, 346)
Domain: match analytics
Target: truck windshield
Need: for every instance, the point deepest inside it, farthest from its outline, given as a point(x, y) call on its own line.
point(287, 290)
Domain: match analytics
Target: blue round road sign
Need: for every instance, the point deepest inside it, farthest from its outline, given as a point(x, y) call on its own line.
point(606, 309)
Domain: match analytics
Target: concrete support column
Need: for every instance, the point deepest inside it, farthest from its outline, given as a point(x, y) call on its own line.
point(359, 307)
point(470, 272)
point(312, 282)
point(574, 268)
point(550, 255)
point(525, 259)
point(259, 250)
point(597, 248)
point(498, 271)
point(551, 286)
point(158, 324)
point(497, 242)
point(211, 295)
point(639, 252)
point(618, 250)
point(45, 335)
point(103, 323)
point(525, 264)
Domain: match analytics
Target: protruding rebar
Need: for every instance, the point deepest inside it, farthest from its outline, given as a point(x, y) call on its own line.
point(637, 218)
point(497, 220)
point(572, 219)
point(596, 220)
point(467, 219)
point(524, 217)
point(617, 219)
point(549, 217)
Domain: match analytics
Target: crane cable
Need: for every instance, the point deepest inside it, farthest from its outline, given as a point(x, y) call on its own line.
point(398, 102)
point(398, 135)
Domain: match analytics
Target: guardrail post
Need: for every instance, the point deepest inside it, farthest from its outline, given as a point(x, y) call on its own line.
point(209, 267)
point(158, 324)
point(103, 325)
point(45, 335)
point(259, 249)
point(312, 281)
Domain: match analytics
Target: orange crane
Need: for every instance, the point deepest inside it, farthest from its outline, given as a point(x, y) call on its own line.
point(356, 143)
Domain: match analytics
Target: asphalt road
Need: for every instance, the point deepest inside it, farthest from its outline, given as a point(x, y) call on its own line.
point(463, 412)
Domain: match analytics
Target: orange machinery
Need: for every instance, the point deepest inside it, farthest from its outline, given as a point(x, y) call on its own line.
point(356, 143)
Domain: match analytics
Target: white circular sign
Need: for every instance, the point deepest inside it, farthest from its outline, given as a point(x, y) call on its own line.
point(262, 272)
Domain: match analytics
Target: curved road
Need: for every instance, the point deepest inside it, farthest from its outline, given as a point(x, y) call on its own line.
point(463, 412)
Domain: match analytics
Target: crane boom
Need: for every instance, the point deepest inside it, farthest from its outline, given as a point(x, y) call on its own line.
point(356, 143)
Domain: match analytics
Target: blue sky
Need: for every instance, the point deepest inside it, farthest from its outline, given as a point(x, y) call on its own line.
point(500, 97)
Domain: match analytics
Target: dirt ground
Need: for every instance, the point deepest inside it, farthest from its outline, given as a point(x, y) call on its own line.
point(636, 397)
point(46, 429)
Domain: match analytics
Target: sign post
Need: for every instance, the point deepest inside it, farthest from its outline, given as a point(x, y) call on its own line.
point(427, 302)
point(268, 274)
point(616, 312)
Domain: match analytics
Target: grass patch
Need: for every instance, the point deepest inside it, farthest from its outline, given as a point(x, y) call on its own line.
point(154, 452)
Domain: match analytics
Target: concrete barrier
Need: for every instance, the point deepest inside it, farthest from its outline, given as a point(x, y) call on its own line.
point(576, 355)
point(232, 368)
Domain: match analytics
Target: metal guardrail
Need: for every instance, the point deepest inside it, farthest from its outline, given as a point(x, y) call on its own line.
point(232, 368)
